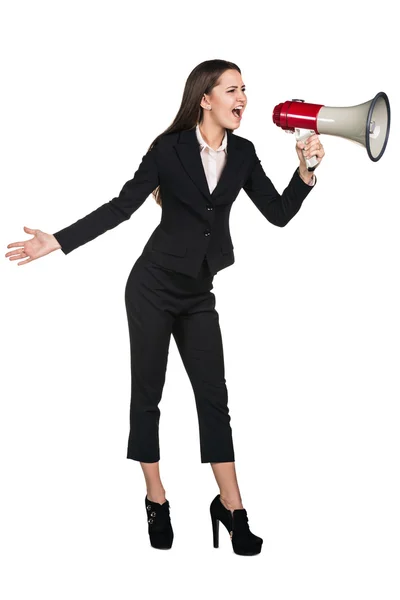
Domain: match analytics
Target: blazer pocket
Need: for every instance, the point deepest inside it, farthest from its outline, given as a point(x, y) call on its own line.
point(226, 247)
point(163, 242)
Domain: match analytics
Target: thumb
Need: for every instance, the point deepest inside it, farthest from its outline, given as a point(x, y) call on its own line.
point(31, 231)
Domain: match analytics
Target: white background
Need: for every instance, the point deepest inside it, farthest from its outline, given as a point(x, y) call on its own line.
point(309, 313)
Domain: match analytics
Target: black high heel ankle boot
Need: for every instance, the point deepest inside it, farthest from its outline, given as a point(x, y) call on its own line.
point(160, 529)
point(243, 540)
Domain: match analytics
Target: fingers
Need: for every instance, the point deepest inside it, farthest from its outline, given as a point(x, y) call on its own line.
point(14, 244)
point(18, 256)
point(15, 252)
point(312, 139)
point(24, 262)
point(312, 147)
point(20, 252)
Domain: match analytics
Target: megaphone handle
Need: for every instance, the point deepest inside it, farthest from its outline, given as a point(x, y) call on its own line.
point(303, 135)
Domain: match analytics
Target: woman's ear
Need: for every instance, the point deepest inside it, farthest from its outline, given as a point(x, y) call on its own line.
point(204, 103)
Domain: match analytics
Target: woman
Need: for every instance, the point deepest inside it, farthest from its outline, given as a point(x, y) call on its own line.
point(195, 170)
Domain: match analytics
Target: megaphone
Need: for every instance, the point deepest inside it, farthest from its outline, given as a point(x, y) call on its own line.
point(367, 124)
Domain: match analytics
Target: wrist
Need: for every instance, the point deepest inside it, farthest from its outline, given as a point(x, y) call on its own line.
point(307, 176)
point(56, 244)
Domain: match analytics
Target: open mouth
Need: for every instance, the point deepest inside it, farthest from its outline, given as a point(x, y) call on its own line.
point(237, 112)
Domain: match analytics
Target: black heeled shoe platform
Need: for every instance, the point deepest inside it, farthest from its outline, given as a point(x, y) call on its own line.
point(160, 529)
point(244, 542)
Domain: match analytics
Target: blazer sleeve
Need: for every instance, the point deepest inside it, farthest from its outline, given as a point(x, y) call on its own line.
point(277, 209)
point(112, 213)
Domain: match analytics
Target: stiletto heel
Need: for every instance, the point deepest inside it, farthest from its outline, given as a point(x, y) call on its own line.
point(160, 529)
point(244, 542)
point(215, 528)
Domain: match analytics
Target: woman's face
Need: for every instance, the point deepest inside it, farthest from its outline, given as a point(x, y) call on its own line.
point(224, 97)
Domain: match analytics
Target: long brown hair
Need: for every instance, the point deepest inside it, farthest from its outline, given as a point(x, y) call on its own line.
point(200, 81)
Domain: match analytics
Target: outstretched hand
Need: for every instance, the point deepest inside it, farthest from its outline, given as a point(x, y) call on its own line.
point(41, 244)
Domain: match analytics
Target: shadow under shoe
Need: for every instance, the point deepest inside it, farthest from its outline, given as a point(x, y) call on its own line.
point(160, 529)
point(244, 542)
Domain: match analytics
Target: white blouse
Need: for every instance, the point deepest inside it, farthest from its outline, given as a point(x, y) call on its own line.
point(213, 160)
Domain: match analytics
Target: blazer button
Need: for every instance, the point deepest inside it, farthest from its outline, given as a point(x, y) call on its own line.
point(209, 207)
point(207, 232)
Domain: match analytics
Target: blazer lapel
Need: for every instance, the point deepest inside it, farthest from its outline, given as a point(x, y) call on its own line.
point(188, 150)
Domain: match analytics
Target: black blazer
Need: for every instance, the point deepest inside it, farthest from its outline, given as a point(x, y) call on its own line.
point(194, 223)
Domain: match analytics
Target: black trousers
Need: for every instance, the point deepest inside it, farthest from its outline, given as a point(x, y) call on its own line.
point(159, 302)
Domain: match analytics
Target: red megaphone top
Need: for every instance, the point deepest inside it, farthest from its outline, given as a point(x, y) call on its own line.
point(296, 113)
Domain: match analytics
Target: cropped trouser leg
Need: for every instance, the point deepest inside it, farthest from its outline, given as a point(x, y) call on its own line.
point(198, 338)
point(160, 302)
point(149, 335)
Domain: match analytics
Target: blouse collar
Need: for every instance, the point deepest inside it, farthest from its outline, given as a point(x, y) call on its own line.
point(204, 144)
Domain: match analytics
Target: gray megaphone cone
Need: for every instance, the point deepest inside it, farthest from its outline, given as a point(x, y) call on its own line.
point(367, 124)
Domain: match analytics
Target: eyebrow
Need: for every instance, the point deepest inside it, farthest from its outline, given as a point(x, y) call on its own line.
point(235, 86)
